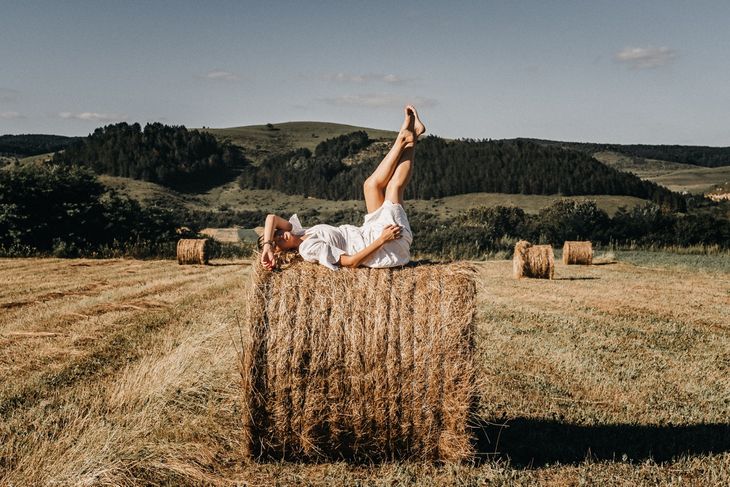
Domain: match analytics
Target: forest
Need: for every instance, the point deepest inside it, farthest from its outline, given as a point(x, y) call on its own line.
point(169, 155)
point(25, 145)
point(445, 168)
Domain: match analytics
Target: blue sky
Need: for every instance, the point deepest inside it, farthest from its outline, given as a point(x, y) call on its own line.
point(600, 71)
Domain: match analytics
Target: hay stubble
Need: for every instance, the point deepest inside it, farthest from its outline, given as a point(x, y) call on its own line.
point(618, 345)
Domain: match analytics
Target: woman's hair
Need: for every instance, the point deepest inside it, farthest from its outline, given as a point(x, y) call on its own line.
point(282, 258)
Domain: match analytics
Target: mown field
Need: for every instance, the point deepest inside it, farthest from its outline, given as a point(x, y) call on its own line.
point(123, 372)
point(673, 175)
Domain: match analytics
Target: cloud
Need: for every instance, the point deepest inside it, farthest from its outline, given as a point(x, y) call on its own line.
point(11, 115)
point(220, 75)
point(391, 79)
point(93, 116)
point(8, 95)
point(646, 57)
point(377, 100)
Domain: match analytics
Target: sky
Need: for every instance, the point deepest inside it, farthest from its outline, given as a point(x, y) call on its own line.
point(653, 72)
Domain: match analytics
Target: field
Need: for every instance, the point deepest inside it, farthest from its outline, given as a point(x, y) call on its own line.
point(121, 372)
point(673, 175)
point(231, 196)
point(695, 180)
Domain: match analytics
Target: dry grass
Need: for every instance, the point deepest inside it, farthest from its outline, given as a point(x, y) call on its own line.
point(193, 251)
point(368, 364)
point(580, 253)
point(537, 261)
point(606, 375)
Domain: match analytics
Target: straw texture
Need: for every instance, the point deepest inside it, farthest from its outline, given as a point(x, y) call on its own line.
point(536, 261)
point(193, 251)
point(580, 253)
point(368, 364)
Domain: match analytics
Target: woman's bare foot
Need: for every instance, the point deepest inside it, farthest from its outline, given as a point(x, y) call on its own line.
point(418, 127)
point(408, 120)
point(407, 137)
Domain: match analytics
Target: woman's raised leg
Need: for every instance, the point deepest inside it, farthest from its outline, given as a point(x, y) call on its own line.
point(375, 185)
point(402, 174)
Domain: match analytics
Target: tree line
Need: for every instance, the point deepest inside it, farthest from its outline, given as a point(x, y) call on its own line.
point(25, 145)
point(65, 211)
point(482, 231)
point(445, 168)
point(164, 154)
point(685, 154)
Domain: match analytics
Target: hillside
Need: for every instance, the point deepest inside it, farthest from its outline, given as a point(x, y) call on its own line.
point(699, 180)
point(449, 168)
point(167, 154)
point(695, 155)
point(673, 175)
point(539, 177)
point(644, 168)
point(262, 141)
point(25, 145)
point(231, 197)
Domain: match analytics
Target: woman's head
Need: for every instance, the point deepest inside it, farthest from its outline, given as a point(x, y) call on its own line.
point(286, 240)
point(285, 247)
point(283, 241)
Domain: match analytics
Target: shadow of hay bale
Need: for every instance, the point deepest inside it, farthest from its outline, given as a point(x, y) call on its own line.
point(534, 442)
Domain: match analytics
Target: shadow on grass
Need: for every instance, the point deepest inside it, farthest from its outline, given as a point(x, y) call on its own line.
point(533, 442)
point(575, 278)
point(605, 263)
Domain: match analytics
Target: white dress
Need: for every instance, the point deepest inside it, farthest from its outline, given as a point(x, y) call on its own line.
point(326, 244)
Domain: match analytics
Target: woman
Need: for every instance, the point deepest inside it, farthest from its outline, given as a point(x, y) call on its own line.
point(385, 237)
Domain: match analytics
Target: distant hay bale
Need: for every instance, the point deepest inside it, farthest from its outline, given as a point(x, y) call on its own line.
point(370, 364)
point(577, 253)
point(193, 251)
point(533, 260)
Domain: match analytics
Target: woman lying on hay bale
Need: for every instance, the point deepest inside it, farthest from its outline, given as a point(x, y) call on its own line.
point(384, 239)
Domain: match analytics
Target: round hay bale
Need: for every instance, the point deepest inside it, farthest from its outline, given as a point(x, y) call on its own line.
point(369, 364)
point(580, 253)
point(193, 251)
point(536, 261)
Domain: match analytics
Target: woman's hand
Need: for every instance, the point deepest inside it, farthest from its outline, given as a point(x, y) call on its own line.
point(267, 258)
point(391, 232)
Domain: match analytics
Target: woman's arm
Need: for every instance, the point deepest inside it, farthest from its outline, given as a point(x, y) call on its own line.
point(273, 223)
point(391, 232)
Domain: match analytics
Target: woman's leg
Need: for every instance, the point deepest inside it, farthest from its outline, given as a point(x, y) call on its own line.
point(375, 185)
point(402, 174)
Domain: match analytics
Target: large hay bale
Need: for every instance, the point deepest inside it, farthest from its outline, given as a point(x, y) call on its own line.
point(193, 251)
point(370, 364)
point(580, 253)
point(533, 260)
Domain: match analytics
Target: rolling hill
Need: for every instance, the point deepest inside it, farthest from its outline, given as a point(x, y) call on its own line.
point(695, 155)
point(231, 197)
point(673, 175)
point(262, 141)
